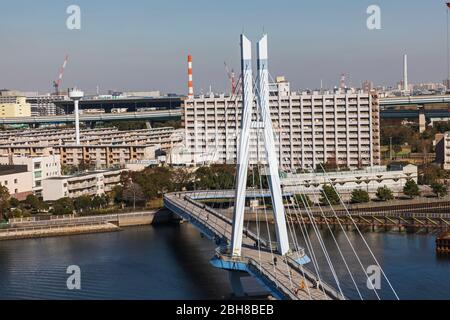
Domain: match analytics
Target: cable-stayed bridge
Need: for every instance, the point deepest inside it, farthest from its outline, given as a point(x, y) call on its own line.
point(281, 265)
point(282, 278)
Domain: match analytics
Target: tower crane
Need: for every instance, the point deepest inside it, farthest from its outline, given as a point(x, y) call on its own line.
point(57, 83)
point(232, 77)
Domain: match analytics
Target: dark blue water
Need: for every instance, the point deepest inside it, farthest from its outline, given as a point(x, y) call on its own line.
point(172, 262)
point(409, 261)
point(164, 262)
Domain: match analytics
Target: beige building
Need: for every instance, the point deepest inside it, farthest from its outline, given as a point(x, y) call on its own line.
point(89, 183)
point(17, 179)
point(101, 148)
point(370, 179)
point(41, 168)
point(442, 145)
point(14, 107)
point(165, 137)
point(99, 156)
point(310, 128)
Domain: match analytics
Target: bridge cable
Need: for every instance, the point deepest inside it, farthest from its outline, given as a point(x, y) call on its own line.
point(361, 235)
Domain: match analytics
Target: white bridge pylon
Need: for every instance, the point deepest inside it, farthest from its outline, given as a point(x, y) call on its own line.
point(269, 145)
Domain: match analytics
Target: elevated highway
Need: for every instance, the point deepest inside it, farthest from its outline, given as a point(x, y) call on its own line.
point(175, 113)
point(160, 115)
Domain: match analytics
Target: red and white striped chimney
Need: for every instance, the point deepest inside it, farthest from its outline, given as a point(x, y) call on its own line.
point(190, 82)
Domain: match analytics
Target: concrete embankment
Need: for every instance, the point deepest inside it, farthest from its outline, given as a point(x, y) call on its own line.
point(72, 225)
point(53, 231)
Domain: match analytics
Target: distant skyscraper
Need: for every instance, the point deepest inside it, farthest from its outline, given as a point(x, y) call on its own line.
point(367, 86)
point(446, 83)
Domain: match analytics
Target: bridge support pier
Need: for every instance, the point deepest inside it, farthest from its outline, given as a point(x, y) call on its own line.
point(236, 283)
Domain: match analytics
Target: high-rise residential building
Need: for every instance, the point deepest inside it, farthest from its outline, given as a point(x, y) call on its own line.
point(367, 86)
point(310, 128)
point(44, 105)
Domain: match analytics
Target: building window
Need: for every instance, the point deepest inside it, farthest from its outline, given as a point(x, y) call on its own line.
point(15, 181)
point(6, 182)
point(16, 190)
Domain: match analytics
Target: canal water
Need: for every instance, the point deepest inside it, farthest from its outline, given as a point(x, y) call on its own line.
point(172, 262)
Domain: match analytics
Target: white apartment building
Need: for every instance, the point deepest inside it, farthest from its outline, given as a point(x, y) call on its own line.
point(41, 168)
point(310, 128)
point(369, 179)
point(89, 183)
point(17, 179)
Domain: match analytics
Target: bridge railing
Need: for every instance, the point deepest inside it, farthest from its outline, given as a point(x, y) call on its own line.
point(246, 232)
point(328, 289)
point(258, 269)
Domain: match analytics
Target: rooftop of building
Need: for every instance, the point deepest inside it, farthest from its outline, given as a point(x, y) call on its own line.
point(12, 169)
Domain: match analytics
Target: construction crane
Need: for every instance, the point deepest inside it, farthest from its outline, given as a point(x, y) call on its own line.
point(57, 83)
point(232, 77)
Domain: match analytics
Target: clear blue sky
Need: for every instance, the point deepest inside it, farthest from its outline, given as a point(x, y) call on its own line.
point(142, 44)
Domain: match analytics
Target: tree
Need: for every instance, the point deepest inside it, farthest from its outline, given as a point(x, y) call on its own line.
point(257, 179)
point(215, 177)
point(182, 179)
point(14, 203)
point(20, 213)
point(303, 201)
point(329, 196)
point(4, 201)
point(430, 174)
point(63, 206)
point(83, 203)
point(133, 193)
point(35, 203)
point(154, 181)
point(117, 194)
point(384, 194)
point(411, 189)
point(439, 189)
point(99, 202)
point(360, 196)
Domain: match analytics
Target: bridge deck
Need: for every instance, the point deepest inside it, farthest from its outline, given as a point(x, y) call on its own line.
point(286, 275)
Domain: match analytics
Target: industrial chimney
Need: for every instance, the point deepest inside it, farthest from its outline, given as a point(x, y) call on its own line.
point(405, 75)
point(190, 82)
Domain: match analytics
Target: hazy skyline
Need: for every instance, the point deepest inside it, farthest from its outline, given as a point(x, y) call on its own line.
point(143, 45)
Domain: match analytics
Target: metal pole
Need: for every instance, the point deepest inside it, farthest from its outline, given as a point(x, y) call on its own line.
point(390, 148)
point(77, 123)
